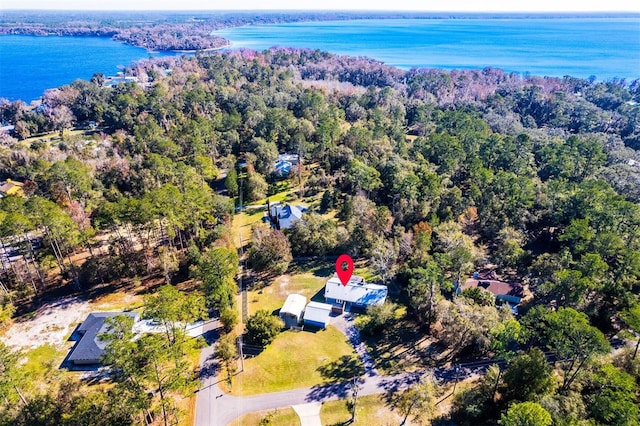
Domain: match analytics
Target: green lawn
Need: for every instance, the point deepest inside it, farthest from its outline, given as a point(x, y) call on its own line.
point(283, 416)
point(273, 296)
point(43, 356)
point(41, 366)
point(243, 225)
point(370, 410)
point(298, 359)
point(280, 197)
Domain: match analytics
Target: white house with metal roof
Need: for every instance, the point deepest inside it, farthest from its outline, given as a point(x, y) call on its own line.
point(357, 294)
point(291, 311)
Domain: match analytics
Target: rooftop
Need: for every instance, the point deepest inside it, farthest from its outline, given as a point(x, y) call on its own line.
point(90, 347)
point(294, 305)
point(317, 312)
point(290, 158)
point(356, 291)
point(495, 287)
point(7, 185)
point(287, 211)
point(282, 168)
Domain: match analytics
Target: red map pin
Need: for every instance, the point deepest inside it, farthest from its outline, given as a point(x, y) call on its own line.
point(344, 268)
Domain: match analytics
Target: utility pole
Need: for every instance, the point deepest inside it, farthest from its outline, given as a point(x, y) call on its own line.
point(300, 168)
point(241, 353)
point(354, 403)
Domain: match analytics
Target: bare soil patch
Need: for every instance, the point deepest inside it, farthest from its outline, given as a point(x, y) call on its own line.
point(54, 321)
point(49, 324)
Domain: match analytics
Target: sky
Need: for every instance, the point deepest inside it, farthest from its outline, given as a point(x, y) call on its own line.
point(400, 5)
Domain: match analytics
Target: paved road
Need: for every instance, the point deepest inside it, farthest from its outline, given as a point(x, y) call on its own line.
point(217, 408)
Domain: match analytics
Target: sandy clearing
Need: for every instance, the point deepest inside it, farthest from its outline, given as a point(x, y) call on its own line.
point(284, 283)
point(51, 324)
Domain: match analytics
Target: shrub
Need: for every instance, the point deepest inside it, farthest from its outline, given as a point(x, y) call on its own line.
point(262, 328)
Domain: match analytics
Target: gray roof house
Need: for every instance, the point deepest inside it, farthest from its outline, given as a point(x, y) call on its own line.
point(357, 294)
point(90, 348)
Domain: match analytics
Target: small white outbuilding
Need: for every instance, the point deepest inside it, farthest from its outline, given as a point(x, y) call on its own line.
point(291, 311)
point(317, 314)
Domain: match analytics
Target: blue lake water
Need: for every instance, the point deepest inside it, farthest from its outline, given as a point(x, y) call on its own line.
point(580, 47)
point(29, 65)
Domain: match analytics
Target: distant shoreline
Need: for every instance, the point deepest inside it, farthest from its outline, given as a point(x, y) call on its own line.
point(210, 49)
point(193, 31)
point(408, 53)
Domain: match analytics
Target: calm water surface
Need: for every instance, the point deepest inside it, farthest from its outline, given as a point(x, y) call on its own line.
point(581, 47)
point(29, 65)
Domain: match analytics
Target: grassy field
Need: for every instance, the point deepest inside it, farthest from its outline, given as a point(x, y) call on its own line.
point(308, 284)
point(402, 347)
point(370, 410)
point(119, 301)
point(280, 417)
point(243, 225)
point(55, 136)
point(298, 359)
point(41, 367)
point(280, 197)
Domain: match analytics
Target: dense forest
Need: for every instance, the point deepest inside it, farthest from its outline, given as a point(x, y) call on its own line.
point(431, 174)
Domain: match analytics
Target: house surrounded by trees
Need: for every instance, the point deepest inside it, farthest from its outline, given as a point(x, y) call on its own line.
point(11, 187)
point(356, 295)
point(283, 217)
point(502, 291)
point(90, 348)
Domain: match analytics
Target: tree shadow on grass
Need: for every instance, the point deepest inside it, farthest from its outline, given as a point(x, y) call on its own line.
point(344, 368)
point(338, 376)
point(320, 266)
point(399, 346)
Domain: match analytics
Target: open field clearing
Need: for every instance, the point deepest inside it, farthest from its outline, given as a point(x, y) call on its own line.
point(297, 359)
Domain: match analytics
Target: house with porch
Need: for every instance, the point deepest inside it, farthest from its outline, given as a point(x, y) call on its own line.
point(355, 295)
